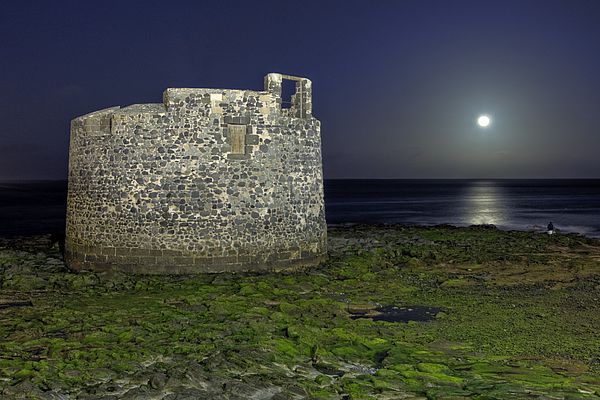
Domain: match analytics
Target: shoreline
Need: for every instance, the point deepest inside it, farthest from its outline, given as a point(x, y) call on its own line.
point(504, 228)
point(538, 229)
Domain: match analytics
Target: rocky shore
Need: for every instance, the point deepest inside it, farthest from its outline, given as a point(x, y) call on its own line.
point(395, 313)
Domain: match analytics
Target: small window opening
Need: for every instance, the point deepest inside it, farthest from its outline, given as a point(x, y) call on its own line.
point(237, 138)
point(288, 89)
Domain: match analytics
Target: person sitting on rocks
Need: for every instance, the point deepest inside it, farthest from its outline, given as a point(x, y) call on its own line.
point(550, 228)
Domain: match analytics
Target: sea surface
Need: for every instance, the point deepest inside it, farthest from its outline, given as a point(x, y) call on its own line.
point(32, 207)
point(572, 205)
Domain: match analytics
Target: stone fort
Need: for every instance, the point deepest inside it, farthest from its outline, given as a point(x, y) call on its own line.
point(210, 180)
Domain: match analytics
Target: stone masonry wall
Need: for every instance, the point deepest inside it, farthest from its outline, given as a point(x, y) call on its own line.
point(211, 180)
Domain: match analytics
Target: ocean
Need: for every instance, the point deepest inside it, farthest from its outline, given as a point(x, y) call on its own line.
point(32, 207)
point(572, 205)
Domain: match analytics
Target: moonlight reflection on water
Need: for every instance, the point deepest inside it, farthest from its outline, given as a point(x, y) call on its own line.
point(528, 204)
point(485, 204)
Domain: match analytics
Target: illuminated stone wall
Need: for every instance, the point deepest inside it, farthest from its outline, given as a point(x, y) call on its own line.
point(210, 180)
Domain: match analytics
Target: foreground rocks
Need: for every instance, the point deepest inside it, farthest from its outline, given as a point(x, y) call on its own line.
point(516, 316)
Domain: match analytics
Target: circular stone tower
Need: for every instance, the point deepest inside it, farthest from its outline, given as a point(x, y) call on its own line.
point(210, 180)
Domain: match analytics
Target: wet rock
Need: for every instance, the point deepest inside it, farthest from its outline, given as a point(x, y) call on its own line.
point(362, 309)
point(328, 369)
point(197, 376)
point(52, 395)
point(22, 390)
point(138, 393)
point(108, 390)
point(99, 397)
point(217, 362)
point(266, 393)
point(193, 394)
point(99, 374)
point(158, 380)
point(291, 393)
point(251, 391)
point(239, 389)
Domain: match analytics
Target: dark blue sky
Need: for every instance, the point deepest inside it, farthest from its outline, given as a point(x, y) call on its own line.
point(397, 84)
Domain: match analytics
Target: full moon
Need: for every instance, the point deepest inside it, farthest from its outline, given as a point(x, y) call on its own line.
point(483, 121)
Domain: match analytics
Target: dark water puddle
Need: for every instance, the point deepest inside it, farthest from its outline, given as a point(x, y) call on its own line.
point(399, 314)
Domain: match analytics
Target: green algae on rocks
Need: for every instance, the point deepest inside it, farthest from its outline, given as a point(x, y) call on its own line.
point(519, 319)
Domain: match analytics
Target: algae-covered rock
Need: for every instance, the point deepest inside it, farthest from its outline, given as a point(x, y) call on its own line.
point(520, 317)
point(24, 283)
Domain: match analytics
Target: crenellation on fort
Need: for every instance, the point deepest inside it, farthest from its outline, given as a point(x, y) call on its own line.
point(210, 180)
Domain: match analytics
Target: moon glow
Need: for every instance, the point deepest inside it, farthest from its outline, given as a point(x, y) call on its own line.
point(483, 121)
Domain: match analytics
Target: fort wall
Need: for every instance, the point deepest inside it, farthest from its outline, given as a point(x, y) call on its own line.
point(210, 180)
